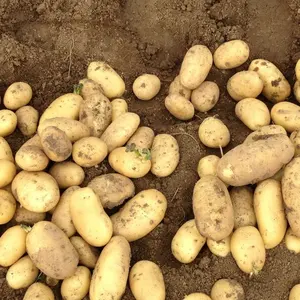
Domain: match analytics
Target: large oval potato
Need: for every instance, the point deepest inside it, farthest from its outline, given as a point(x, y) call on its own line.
point(26, 216)
point(140, 215)
point(276, 87)
point(197, 296)
point(7, 206)
point(7, 173)
point(177, 88)
point(18, 94)
point(254, 162)
point(114, 262)
point(39, 291)
point(146, 86)
point(179, 107)
point(212, 208)
point(142, 138)
point(28, 118)
point(219, 248)
point(208, 165)
point(292, 241)
point(295, 292)
point(5, 150)
point(8, 122)
point(195, 67)
point(119, 107)
point(51, 250)
point(227, 289)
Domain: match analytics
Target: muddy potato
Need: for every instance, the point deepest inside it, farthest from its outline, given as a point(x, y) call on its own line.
point(8, 172)
point(227, 289)
point(89, 151)
point(179, 107)
point(295, 293)
point(208, 165)
point(253, 113)
point(142, 138)
point(111, 272)
point(214, 133)
point(8, 122)
point(17, 95)
point(248, 250)
point(195, 66)
point(26, 216)
point(146, 86)
point(197, 296)
point(22, 273)
point(254, 162)
point(140, 215)
point(5, 150)
point(219, 248)
point(7, 207)
point(187, 242)
point(297, 90)
point(292, 242)
point(119, 107)
point(177, 88)
point(212, 208)
point(146, 281)
point(28, 118)
point(112, 189)
point(276, 87)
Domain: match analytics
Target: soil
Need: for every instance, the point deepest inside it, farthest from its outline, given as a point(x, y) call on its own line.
point(49, 43)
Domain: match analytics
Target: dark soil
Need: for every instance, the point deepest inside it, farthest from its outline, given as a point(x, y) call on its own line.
point(49, 43)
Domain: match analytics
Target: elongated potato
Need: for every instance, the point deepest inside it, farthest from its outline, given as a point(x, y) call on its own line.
point(5, 150)
point(17, 95)
point(146, 281)
point(195, 67)
point(296, 90)
point(227, 289)
point(179, 107)
point(208, 165)
point(119, 107)
point(146, 86)
point(26, 216)
point(28, 118)
point(114, 262)
point(164, 155)
point(292, 241)
point(39, 291)
point(7, 206)
point(197, 296)
point(142, 138)
point(8, 122)
point(254, 162)
point(177, 88)
point(140, 215)
point(276, 87)
point(295, 292)
point(295, 138)
point(248, 250)
point(219, 248)
point(212, 208)
point(8, 172)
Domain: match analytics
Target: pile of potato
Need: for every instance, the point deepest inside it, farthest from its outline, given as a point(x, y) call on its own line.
point(63, 228)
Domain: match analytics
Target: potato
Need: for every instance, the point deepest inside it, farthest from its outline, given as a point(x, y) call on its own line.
point(164, 155)
point(34, 141)
point(22, 273)
point(76, 286)
point(61, 216)
point(146, 281)
point(51, 250)
point(208, 165)
point(12, 245)
point(205, 96)
point(7, 207)
point(8, 172)
point(17, 95)
point(111, 272)
point(177, 88)
point(110, 81)
point(8, 122)
point(28, 118)
point(248, 250)
point(187, 242)
point(66, 106)
point(292, 241)
point(219, 248)
point(120, 130)
point(297, 90)
point(231, 54)
point(212, 208)
point(179, 107)
point(5, 150)
point(88, 255)
point(295, 292)
point(227, 289)
point(31, 158)
point(25, 216)
point(89, 217)
point(146, 86)
point(197, 296)
point(119, 107)
point(142, 138)
point(297, 70)
point(112, 189)
point(295, 138)
point(242, 202)
point(36, 191)
point(244, 84)
point(269, 212)
point(276, 87)
point(89, 151)
point(67, 174)
point(39, 291)
point(140, 215)
point(251, 163)
point(213, 133)
point(74, 129)
point(195, 67)
point(253, 113)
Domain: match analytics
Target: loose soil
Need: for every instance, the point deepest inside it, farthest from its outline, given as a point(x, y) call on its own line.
point(49, 43)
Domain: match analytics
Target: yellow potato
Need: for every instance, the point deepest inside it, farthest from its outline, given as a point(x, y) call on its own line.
point(292, 241)
point(179, 107)
point(39, 291)
point(297, 69)
point(227, 289)
point(8, 122)
point(111, 272)
point(276, 87)
point(219, 248)
point(140, 215)
point(146, 86)
point(142, 138)
point(187, 242)
point(7, 207)
point(197, 296)
point(208, 165)
point(248, 250)
point(253, 113)
point(5, 150)
point(146, 281)
point(17, 95)
point(7, 173)
point(297, 90)
point(177, 88)
point(195, 66)
point(119, 107)
point(25, 216)
point(22, 273)
point(295, 138)
point(295, 292)
point(28, 118)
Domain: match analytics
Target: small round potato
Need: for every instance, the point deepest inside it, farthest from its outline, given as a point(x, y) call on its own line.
point(119, 107)
point(292, 241)
point(8, 122)
point(142, 138)
point(7, 206)
point(297, 90)
point(5, 150)
point(220, 248)
point(295, 138)
point(146, 86)
point(227, 289)
point(177, 88)
point(179, 107)
point(17, 95)
point(26, 216)
point(89, 151)
point(197, 296)
point(214, 133)
point(39, 291)
point(205, 96)
point(28, 118)
point(7, 172)
point(208, 165)
point(295, 293)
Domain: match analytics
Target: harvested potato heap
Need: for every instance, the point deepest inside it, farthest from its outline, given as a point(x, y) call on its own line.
point(238, 203)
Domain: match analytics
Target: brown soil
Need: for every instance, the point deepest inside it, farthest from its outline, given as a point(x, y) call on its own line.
point(49, 43)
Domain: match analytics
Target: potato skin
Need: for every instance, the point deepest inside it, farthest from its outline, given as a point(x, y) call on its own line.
point(142, 138)
point(227, 289)
point(28, 118)
point(208, 165)
point(146, 86)
point(295, 138)
point(212, 208)
point(7, 206)
point(51, 250)
point(179, 107)
point(119, 106)
point(177, 88)
point(296, 90)
point(26, 216)
point(295, 292)
point(197, 296)
point(8, 172)
point(5, 150)
point(39, 291)
point(8, 122)
point(292, 242)
point(18, 94)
